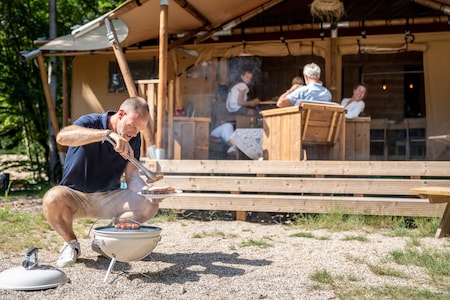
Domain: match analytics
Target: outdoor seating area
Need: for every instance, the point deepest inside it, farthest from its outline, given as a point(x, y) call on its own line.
point(317, 128)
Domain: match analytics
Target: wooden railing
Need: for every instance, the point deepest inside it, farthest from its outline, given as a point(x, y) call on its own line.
point(353, 187)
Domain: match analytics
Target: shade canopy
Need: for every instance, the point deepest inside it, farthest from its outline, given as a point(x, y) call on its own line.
point(197, 21)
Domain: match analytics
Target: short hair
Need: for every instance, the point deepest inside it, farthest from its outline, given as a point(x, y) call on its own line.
point(312, 70)
point(135, 104)
point(298, 80)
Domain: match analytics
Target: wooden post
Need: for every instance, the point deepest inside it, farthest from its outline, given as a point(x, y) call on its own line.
point(48, 97)
point(332, 85)
point(124, 69)
point(65, 92)
point(162, 87)
point(170, 121)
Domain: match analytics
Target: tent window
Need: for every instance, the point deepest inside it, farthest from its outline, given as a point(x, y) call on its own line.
point(140, 69)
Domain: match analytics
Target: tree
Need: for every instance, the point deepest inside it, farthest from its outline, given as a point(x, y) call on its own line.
point(23, 109)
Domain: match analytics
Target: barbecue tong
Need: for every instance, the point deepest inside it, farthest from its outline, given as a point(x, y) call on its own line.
point(149, 174)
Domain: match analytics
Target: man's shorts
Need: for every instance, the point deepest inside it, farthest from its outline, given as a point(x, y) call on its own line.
point(101, 204)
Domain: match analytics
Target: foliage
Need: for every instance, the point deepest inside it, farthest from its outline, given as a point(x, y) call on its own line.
point(16, 227)
point(24, 124)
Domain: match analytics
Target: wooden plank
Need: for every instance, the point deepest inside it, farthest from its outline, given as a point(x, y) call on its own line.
point(309, 167)
point(304, 204)
point(435, 194)
point(284, 185)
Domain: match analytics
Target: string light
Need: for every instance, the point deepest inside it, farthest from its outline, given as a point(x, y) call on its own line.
point(384, 85)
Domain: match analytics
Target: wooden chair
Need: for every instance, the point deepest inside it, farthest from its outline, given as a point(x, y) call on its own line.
point(416, 131)
point(399, 132)
point(320, 128)
point(378, 138)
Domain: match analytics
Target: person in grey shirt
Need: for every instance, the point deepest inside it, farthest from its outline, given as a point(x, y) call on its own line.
point(313, 90)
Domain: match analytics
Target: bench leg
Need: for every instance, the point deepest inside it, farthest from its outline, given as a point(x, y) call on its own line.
point(444, 226)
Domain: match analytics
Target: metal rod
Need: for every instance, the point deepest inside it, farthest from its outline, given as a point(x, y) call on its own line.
point(111, 265)
point(149, 174)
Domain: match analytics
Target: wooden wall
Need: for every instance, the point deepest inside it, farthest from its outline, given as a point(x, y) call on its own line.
point(389, 103)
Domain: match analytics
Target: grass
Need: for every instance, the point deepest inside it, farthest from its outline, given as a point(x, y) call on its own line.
point(359, 238)
point(19, 231)
point(261, 243)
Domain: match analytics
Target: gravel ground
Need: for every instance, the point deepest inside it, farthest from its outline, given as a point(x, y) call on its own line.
point(208, 260)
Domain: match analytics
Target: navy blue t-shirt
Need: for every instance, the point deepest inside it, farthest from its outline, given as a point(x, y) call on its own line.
point(96, 167)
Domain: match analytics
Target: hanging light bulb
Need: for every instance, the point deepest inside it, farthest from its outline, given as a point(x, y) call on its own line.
point(411, 85)
point(384, 85)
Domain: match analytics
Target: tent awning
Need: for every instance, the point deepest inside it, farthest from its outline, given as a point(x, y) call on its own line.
point(135, 24)
point(94, 40)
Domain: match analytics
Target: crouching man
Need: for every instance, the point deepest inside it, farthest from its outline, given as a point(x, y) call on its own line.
point(90, 186)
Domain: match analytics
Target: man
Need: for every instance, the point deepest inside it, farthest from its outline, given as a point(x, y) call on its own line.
point(313, 90)
point(90, 186)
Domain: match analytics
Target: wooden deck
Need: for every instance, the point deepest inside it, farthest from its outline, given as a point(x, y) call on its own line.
point(353, 187)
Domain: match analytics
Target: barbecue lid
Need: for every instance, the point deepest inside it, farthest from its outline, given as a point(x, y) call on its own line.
point(31, 276)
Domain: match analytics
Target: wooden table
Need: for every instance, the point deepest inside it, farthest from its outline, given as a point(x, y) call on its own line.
point(437, 194)
point(249, 141)
point(444, 139)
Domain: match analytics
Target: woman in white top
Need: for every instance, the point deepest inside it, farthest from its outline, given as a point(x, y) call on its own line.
point(355, 105)
point(237, 100)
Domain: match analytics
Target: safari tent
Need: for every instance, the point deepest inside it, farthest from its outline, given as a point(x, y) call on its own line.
point(177, 52)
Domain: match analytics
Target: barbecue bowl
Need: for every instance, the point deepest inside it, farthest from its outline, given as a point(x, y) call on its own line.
point(127, 245)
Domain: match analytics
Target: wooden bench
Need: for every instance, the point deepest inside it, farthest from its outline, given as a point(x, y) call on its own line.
point(438, 194)
point(351, 187)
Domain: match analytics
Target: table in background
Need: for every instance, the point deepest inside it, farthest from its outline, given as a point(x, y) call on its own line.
point(249, 141)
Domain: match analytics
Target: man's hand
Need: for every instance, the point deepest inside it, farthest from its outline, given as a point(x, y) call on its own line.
point(122, 146)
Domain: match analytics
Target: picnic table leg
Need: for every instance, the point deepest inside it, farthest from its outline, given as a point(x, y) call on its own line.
point(444, 226)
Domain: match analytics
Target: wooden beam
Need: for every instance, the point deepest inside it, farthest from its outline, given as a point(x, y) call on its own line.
point(162, 87)
point(349, 24)
point(121, 60)
point(239, 20)
point(309, 167)
point(193, 12)
point(303, 204)
point(434, 5)
point(65, 91)
point(49, 99)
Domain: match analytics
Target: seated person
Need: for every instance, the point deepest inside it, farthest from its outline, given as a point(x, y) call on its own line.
point(313, 90)
point(297, 81)
point(222, 121)
point(237, 100)
point(355, 105)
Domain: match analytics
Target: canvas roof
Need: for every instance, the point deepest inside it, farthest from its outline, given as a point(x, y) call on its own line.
point(139, 20)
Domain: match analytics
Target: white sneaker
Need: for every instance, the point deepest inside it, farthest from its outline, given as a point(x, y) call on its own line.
point(69, 253)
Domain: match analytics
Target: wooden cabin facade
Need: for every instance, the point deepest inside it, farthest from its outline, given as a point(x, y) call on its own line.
point(194, 82)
